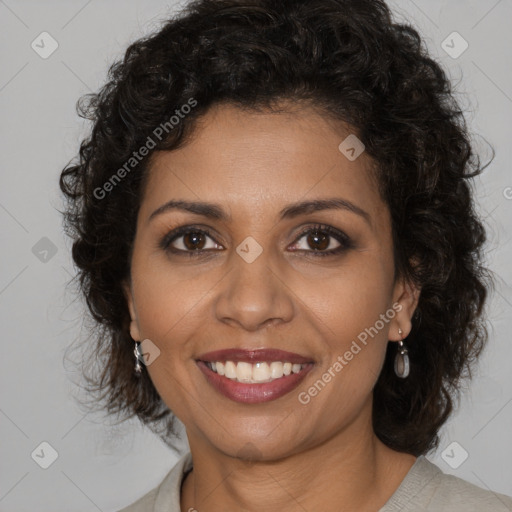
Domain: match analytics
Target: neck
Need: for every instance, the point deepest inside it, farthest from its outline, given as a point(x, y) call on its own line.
point(352, 470)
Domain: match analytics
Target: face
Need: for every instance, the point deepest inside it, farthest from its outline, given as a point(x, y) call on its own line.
point(256, 275)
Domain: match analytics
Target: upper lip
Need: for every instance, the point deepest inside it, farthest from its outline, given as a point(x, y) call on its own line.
point(253, 356)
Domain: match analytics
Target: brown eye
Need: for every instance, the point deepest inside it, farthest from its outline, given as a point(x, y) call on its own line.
point(322, 241)
point(194, 240)
point(189, 241)
point(318, 241)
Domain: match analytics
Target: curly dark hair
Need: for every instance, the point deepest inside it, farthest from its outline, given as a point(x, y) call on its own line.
point(351, 61)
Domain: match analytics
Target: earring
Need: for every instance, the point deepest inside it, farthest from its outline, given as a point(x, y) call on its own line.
point(138, 367)
point(401, 359)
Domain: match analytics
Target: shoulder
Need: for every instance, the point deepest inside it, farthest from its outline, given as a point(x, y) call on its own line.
point(453, 492)
point(144, 504)
point(427, 488)
point(167, 493)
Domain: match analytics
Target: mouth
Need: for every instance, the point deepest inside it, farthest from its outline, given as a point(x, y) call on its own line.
point(254, 376)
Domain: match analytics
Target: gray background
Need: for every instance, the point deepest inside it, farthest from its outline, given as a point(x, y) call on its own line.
point(104, 467)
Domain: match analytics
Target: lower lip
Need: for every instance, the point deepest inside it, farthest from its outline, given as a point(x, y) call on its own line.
point(253, 393)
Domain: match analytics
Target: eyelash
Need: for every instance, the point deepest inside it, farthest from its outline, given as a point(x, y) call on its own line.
point(344, 241)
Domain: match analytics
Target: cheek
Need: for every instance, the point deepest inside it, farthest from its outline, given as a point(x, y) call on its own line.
point(348, 312)
point(169, 311)
point(167, 300)
point(351, 300)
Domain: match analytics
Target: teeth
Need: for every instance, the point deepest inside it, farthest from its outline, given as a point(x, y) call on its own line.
point(276, 369)
point(296, 368)
point(254, 373)
point(230, 370)
point(260, 372)
point(244, 372)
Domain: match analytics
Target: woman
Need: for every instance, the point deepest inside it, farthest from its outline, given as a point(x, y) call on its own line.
point(275, 230)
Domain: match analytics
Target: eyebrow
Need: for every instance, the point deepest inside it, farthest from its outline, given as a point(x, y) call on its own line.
point(214, 211)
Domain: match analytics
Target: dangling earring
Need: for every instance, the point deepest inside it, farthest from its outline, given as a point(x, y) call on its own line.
point(138, 367)
point(401, 359)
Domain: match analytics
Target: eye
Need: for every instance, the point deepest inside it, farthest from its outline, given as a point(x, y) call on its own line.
point(323, 240)
point(319, 240)
point(189, 241)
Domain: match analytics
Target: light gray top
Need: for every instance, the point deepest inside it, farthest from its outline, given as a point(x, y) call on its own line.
point(424, 488)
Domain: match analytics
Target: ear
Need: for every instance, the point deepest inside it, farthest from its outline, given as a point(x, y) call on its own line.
point(134, 324)
point(405, 300)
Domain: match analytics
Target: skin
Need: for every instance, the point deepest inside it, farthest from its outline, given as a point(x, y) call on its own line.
point(278, 455)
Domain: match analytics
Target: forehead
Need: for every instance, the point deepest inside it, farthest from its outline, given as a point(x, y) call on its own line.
point(255, 162)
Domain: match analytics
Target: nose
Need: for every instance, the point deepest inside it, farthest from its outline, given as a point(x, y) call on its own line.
point(254, 295)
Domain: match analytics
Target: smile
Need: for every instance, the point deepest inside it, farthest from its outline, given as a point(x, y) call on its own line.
point(254, 373)
point(254, 376)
